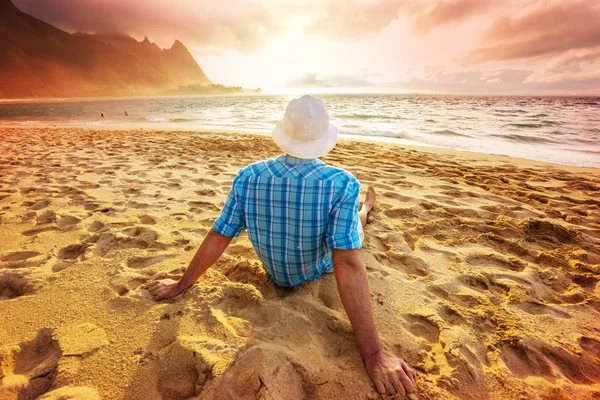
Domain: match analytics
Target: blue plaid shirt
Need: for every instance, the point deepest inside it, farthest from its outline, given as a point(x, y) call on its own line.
point(296, 211)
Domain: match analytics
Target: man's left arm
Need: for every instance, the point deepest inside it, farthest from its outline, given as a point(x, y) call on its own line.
point(391, 375)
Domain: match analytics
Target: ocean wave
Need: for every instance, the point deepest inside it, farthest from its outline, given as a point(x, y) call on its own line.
point(511, 111)
point(362, 116)
point(587, 141)
point(160, 120)
point(529, 127)
point(447, 132)
point(28, 122)
point(385, 134)
point(521, 125)
point(523, 139)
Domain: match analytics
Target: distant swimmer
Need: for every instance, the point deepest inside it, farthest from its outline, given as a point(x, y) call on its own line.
point(102, 115)
point(127, 115)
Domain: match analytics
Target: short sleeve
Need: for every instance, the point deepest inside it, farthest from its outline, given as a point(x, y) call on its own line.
point(342, 228)
point(231, 221)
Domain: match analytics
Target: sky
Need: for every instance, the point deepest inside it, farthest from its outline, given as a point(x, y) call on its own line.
point(426, 46)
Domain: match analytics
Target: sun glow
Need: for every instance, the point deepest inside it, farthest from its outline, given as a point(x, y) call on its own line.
point(298, 22)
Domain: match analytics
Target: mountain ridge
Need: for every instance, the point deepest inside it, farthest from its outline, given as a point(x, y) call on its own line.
point(40, 60)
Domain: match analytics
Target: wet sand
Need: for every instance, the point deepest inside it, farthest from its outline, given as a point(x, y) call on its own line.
point(483, 273)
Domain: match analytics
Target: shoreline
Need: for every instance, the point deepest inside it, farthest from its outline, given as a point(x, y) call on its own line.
point(423, 147)
point(266, 92)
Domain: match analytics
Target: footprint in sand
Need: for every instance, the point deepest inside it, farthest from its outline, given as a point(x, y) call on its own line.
point(143, 262)
point(46, 217)
point(198, 206)
point(461, 299)
point(38, 205)
point(537, 308)
point(406, 263)
point(536, 229)
point(402, 213)
point(528, 357)
point(478, 283)
point(37, 231)
point(107, 244)
point(496, 260)
point(451, 315)
point(72, 251)
point(207, 192)
point(22, 259)
point(138, 205)
point(147, 220)
point(125, 281)
point(206, 182)
point(423, 326)
point(95, 226)
point(15, 284)
point(590, 346)
point(29, 368)
point(28, 216)
point(443, 199)
point(90, 205)
point(398, 197)
point(67, 222)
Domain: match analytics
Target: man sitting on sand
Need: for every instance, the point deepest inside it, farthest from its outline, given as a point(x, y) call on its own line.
point(303, 220)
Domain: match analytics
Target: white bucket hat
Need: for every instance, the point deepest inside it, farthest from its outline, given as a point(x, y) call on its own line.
point(305, 131)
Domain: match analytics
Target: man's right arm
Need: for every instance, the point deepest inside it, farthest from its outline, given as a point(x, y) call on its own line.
point(390, 374)
point(229, 225)
point(213, 245)
point(209, 252)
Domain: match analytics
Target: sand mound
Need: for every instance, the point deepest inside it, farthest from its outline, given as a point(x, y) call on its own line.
point(72, 393)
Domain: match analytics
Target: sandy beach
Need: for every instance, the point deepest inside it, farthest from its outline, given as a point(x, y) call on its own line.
point(483, 273)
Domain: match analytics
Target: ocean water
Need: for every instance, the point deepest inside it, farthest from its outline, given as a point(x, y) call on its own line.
point(562, 130)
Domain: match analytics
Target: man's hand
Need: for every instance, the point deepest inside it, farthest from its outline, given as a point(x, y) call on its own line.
point(164, 289)
point(391, 375)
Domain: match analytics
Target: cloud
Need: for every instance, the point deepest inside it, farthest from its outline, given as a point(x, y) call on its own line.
point(316, 80)
point(573, 66)
point(468, 81)
point(356, 19)
point(225, 24)
point(448, 12)
point(548, 28)
point(501, 81)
